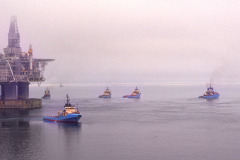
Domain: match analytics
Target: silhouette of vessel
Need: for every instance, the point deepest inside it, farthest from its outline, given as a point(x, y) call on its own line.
point(47, 94)
point(107, 94)
point(60, 85)
point(210, 94)
point(136, 94)
point(69, 115)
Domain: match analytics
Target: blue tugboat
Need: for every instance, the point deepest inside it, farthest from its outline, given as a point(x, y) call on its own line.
point(106, 94)
point(47, 94)
point(136, 94)
point(210, 94)
point(69, 115)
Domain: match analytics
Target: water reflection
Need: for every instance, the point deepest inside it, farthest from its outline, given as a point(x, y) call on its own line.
point(10, 118)
point(14, 137)
point(18, 135)
point(65, 137)
point(17, 123)
point(65, 126)
point(71, 132)
point(72, 137)
point(76, 126)
point(6, 113)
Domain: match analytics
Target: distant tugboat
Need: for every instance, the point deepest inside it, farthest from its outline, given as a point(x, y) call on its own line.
point(60, 85)
point(210, 94)
point(69, 115)
point(107, 94)
point(136, 94)
point(47, 94)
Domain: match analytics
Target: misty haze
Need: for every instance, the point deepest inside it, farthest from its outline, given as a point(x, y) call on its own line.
point(130, 41)
point(123, 79)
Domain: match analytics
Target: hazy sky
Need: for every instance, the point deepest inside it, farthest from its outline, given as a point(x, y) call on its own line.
point(130, 40)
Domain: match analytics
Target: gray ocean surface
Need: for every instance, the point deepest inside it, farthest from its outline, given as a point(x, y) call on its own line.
point(168, 122)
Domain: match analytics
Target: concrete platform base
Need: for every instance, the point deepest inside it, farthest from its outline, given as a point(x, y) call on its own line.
point(25, 103)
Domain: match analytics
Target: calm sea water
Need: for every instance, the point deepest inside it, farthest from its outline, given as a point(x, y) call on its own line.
point(167, 123)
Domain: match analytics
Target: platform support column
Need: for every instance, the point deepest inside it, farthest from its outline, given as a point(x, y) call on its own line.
point(23, 90)
point(9, 90)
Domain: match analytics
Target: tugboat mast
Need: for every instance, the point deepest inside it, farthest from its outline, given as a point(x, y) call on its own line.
point(68, 102)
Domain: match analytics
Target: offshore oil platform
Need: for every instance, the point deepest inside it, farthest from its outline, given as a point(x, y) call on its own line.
point(17, 70)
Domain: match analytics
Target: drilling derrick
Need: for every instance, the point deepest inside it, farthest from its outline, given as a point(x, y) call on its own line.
point(18, 69)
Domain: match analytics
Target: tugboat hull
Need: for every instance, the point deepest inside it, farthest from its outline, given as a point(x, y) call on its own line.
point(70, 118)
point(46, 97)
point(210, 97)
point(104, 96)
point(131, 96)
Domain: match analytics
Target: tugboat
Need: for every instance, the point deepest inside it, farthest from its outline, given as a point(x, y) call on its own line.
point(69, 115)
point(136, 94)
point(210, 94)
point(60, 85)
point(106, 94)
point(47, 94)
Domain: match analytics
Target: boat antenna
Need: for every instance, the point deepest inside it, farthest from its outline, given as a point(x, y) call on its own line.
point(211, 86)
point(68, 100)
